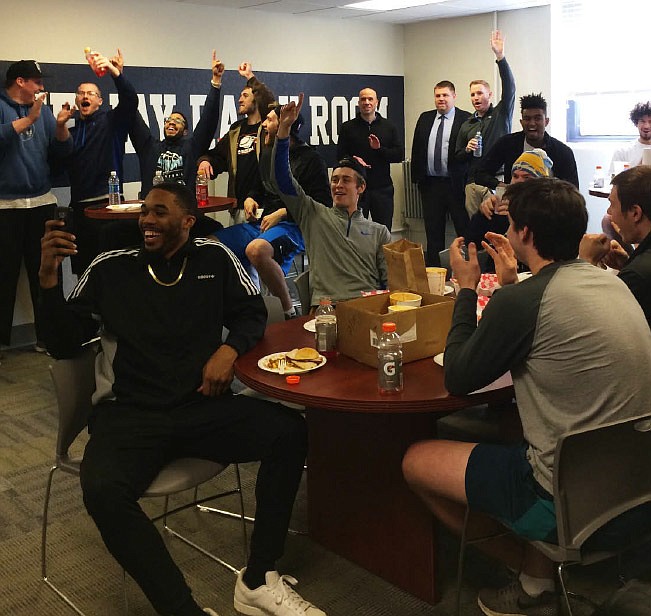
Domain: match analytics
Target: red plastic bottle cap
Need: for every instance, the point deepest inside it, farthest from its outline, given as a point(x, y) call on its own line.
point(293, 379)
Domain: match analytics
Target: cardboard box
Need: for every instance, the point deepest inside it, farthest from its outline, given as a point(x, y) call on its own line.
point(423, 331)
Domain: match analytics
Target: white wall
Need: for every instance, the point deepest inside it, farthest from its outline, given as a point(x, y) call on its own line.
point(182, 35)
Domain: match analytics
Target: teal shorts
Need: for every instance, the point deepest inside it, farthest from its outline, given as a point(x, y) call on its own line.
point(500, 483)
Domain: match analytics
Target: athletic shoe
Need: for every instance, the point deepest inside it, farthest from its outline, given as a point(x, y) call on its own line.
point(275, 598)
point(513, 601)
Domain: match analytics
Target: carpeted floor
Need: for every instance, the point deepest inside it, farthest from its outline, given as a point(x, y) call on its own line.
point(80, 564)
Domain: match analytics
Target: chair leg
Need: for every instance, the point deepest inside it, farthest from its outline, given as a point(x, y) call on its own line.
point(245, 539)
point(202, 507)
point(460, 562)
point(46, 506)
point(561, 581)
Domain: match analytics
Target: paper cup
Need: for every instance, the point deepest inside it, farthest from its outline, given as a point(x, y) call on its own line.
point(401, 308)
point(405, 299)
point(258, 212)
point(436, 279)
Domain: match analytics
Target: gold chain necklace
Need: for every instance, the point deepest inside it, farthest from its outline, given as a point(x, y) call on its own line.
point(168, 284)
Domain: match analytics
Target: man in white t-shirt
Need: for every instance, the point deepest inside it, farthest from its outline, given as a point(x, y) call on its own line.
point(632, 152)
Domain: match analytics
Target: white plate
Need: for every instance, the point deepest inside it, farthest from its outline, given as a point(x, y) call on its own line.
point(448, 289)
point(310, 326)
point(124, 208)
point(438, 359)
point(262, 363)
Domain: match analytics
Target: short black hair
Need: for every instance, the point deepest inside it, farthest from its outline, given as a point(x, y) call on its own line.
point(445, 84)
point(183, 196)
point(634, 188)
point(554, 211)
point(533, 101)
point(639, 111)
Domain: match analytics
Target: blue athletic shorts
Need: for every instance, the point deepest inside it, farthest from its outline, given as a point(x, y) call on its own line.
point(285, 237)
point(500, 483)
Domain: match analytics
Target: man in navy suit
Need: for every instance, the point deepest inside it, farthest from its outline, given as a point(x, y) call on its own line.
point(439, 176)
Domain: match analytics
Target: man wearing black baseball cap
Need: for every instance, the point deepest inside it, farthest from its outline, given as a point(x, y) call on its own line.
point(30, 136)
point(343, 247)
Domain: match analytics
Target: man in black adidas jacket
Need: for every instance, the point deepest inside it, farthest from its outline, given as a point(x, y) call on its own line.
point(163, 392)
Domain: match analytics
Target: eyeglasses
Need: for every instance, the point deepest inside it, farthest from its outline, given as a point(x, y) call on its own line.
point(177, 121)
point(89, 93)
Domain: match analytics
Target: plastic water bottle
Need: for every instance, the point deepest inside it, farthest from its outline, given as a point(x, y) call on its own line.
point(202, 189)
point(114, 188)
point(326, 328)
point(599, 179)
point(480, 145)
point(158, 178)
point(90, 58)
point(389, 360)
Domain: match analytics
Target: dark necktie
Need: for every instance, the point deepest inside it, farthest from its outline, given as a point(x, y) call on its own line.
point(438, 146)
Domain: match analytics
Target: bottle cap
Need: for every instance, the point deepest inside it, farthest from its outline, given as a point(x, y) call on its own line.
point(388, 327)
point(293, 379)
point(325, 300)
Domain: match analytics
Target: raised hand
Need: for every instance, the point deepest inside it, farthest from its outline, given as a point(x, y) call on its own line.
point(501, 251)
point(288, 115)
point(66, 113)
point(118, 62)
point(217, 69)
point(467, 272)
point(497, 44)
point(374, 142)
point(246, 70)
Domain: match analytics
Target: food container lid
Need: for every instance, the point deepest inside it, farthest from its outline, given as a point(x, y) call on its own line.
point(293, 379)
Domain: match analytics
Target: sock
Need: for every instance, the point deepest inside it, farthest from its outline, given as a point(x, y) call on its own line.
point(535, 586)
point(254, 576)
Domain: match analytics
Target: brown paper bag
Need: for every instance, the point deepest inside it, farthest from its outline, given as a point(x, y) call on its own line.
point(406, 266)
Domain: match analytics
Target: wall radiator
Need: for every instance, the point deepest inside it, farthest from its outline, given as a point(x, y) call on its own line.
point(413, 204)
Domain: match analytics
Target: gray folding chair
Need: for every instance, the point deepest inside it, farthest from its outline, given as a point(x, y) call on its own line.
point(275, 313)
point(599, 474)
point(74, 384)
point(302, 282)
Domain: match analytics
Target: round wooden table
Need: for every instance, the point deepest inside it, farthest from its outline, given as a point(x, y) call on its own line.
point(359, 505)
point(215, 204)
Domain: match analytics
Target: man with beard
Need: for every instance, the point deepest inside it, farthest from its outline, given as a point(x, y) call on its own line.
point(270, 239)
point(98, 137)
point(163, 392)
point(238, 151)
point(176, 155)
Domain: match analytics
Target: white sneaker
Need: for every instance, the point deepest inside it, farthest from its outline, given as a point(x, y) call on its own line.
point(275, 598)
point(210, 612)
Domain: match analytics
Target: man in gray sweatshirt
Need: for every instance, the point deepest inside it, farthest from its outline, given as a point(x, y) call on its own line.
point(344, 248)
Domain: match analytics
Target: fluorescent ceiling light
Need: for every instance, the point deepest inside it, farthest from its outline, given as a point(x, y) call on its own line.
point(389, 5)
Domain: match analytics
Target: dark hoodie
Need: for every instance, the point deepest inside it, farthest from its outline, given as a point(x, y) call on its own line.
point(99, 145)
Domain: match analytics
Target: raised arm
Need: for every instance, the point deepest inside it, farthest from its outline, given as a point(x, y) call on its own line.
point(206, 128)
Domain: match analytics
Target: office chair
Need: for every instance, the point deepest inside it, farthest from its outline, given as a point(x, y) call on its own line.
point(599, 474)
point(74, 384)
